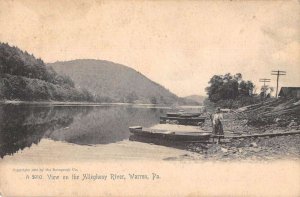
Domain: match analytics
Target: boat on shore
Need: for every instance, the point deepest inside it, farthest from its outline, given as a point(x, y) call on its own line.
point(170, 135)
point(182, 114)
point(179, 133)
point(182, 120)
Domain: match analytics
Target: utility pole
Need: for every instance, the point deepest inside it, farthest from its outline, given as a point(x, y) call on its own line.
point(278, 73)
point(264, 80)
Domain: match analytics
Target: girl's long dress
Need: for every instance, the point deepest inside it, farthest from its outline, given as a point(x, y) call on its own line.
point(217, 125)
point(218, 128)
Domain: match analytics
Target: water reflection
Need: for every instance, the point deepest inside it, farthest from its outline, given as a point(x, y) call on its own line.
point(106, 125)
point(24, 125)
point(202, 147)
point(157, 141)
point(21, 126)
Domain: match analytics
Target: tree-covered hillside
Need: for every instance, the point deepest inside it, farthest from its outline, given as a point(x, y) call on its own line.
point(112, 82)
point(23, 77)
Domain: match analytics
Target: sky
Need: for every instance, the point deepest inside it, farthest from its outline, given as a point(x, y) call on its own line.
point(179, 44)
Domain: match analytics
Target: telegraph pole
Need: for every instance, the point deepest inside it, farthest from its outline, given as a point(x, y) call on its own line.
point(264, 80)
point(278, 73)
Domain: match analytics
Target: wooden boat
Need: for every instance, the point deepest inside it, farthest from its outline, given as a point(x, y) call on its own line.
point(182, 120)
point(170, 135)
point(167, 136)
point(182, 114)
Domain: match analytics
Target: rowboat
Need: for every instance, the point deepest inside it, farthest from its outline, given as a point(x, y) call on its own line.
point(182, 114)
point(182, 120)
point(170, 135)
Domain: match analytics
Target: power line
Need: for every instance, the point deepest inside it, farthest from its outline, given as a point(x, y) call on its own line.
point(278, 73)
point(264, 80)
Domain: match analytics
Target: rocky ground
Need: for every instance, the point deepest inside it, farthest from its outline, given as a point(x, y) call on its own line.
point(281, 147)
point(262, 148)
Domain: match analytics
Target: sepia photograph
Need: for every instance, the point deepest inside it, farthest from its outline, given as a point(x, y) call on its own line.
point(149, 98)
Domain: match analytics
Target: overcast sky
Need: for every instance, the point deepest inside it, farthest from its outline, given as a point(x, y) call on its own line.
point(179, 44)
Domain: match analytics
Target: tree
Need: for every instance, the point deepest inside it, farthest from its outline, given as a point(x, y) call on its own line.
point(153, 100)
point(131, 97)
point(246, 88)
point(13, 61)
point(216, 83)
point(24, 77)
point(238, 77)
point(225, 87)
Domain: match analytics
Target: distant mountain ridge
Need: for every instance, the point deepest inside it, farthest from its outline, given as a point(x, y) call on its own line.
point(197, 98)
point(112, 82)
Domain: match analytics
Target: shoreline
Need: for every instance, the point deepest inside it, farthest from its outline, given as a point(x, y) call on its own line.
point(71, 103)
point(258, 147)
point(95, 104)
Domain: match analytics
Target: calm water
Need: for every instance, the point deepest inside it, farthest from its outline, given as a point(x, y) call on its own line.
point(23, 126)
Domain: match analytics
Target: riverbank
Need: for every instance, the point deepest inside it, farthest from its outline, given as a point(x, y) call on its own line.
point(264, 149)
point(283, 116)
point(61, 103)
point(69, 103)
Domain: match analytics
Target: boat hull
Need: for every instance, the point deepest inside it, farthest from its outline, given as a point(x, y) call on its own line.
point(177, 114)
point(169, 135)
point(182, 120)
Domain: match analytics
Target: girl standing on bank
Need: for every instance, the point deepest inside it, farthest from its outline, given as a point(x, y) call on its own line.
point(217, 124)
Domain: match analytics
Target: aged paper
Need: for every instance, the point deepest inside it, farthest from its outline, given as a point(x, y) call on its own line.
point(178, 44)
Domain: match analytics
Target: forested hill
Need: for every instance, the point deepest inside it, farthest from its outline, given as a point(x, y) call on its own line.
point(24, 77)
point(112, 82)
point(196, 98)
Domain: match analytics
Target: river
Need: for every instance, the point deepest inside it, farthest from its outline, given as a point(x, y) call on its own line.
point(31, 133)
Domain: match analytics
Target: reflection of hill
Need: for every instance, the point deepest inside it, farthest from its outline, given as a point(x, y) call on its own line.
point(106, 125)
point(21, 126)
